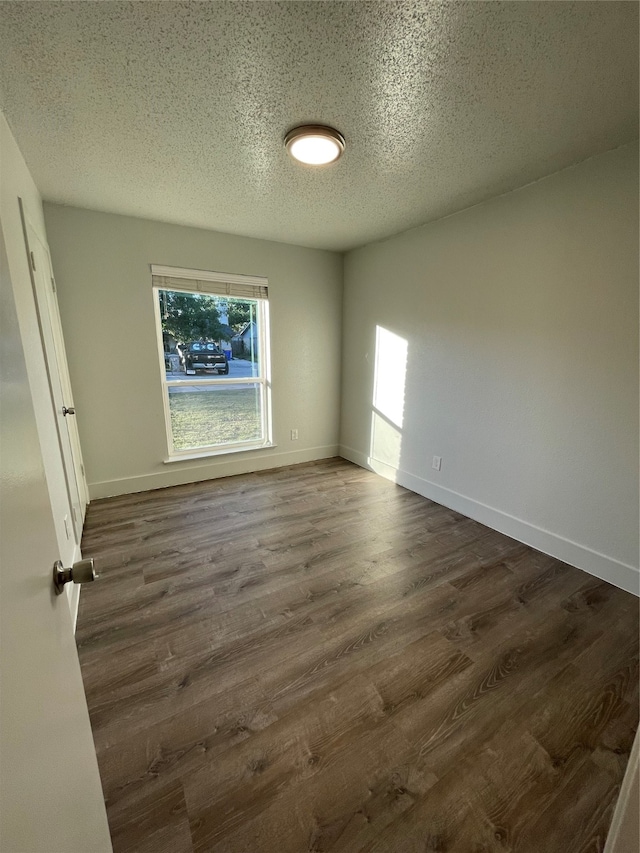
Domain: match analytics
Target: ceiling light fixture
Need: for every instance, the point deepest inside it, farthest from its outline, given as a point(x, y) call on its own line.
point(314, 144)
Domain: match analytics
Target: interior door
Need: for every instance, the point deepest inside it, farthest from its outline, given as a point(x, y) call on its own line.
point(50, 793)
point(65, 381)
point(58, 375)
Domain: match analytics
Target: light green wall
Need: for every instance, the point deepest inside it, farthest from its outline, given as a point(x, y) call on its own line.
point(101, 263)
point(520, 318)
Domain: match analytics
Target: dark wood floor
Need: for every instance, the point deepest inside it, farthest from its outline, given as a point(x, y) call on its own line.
point(314, 659)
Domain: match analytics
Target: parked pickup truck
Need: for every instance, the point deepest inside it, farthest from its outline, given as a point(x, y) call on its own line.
point(201, 356)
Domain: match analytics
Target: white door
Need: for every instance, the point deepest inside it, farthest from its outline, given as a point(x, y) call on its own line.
point(50, 793)
point(67, 395)
point(58, 376)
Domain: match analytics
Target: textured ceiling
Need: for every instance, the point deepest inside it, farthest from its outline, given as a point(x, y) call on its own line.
point(177, 111)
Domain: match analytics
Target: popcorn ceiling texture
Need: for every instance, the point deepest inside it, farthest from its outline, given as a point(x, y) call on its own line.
point(177, 111)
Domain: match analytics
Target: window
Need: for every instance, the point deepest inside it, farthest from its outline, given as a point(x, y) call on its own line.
point(213, 343)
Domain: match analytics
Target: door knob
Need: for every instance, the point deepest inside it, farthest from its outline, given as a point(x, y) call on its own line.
point(80, 572)
point(69, 411)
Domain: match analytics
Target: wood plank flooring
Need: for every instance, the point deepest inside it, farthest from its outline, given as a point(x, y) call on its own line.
point(314, 659)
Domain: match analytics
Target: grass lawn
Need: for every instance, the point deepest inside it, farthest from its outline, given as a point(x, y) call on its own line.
point(214, 416)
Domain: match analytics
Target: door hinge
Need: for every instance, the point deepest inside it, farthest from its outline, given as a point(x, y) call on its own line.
point(33, 261)
point(53, 284)
point(82, 469)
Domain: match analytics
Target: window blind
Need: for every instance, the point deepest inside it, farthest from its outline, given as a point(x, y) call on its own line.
point(219, 284)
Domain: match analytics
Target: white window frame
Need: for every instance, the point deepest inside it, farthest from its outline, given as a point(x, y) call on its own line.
point(263, 380)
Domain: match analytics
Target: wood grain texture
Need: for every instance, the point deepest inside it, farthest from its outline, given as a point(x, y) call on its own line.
point(314, 659)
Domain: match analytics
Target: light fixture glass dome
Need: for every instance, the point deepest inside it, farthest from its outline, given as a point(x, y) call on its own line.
point(314, 144)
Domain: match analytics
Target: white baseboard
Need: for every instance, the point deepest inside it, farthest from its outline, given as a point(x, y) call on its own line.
point(197, 471)
point(74, 603)
point(606, 568)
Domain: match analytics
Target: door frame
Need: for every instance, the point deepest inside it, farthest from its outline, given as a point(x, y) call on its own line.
point(48, 312)
point(58, 383)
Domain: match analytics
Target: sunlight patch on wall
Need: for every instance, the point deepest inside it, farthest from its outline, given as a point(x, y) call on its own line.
point(388, 397)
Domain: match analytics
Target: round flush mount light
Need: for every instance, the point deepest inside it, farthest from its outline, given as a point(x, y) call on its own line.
point(314, 144)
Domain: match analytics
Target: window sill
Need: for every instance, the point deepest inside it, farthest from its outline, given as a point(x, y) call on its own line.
point(225, 451)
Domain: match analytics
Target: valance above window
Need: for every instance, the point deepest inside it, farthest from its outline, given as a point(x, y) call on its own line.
point(219, 284)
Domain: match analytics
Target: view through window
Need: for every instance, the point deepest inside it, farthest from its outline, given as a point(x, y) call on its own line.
point(214, 352)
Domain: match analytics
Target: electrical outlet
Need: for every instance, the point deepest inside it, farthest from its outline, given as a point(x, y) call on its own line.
point(437, 463)
point(294, 435)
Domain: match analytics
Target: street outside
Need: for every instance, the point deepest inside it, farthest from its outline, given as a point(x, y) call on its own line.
point(239, 368)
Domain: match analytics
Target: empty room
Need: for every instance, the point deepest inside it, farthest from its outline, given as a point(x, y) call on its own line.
point(319, 426)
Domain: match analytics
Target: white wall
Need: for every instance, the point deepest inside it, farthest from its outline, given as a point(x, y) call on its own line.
point(16, 182)
point(104, 291)
point(520, 322)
